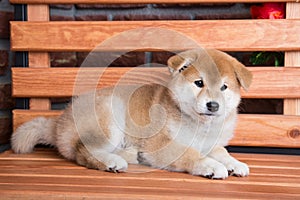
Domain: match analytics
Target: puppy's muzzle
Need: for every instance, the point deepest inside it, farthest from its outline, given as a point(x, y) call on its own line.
point(212, 106)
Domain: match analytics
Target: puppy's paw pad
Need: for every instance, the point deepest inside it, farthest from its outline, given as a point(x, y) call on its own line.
point(116, 164)
point(238, 168)
point(209, 176)
point(230, 172)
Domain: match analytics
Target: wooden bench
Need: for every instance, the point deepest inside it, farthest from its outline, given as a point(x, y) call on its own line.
point(44, 174)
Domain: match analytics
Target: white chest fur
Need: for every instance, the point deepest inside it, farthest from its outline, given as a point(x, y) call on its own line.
point(200, 135)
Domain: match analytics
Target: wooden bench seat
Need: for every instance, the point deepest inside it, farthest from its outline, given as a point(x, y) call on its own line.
point(45, 174)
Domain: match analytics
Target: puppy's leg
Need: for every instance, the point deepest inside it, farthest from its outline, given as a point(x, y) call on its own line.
point(176, 157)
point(233, 166)
point(101, 159)
point(130, 154)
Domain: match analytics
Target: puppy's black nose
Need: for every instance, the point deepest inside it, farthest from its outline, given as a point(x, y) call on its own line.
point(212, 106)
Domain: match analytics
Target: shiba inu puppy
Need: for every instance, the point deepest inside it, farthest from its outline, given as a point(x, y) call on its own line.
point(181, 126)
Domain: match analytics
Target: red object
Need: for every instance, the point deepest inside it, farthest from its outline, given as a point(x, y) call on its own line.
point(268, 11)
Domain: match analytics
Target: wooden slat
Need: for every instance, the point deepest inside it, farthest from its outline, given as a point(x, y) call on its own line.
point(60, 82)
point(44, 173)
point(292, 106)
point(252, 130)
point(38, 59)
point(267, 131)
point(272, 82)
point(269, 82)
point(22, 116)
point(228, 35)
point(138, 1)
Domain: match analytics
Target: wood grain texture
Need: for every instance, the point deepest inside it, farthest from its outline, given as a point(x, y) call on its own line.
point(267, 131)
point(38, 13)
point(252, 130)
point(38, 59)
point(138, 1)
point(292, 106)
point(228, 35)
point(22, 116)
point(268, 82)
point(45, 174)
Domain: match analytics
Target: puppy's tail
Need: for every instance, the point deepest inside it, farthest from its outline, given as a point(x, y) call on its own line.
point(38, 131)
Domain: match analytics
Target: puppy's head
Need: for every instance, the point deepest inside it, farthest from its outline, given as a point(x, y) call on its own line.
point(207, 82)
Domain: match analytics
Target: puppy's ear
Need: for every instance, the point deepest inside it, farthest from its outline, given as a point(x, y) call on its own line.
point(243, 75)
point(177, 64)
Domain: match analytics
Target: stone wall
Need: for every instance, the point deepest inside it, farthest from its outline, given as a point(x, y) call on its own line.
point(83, 12)
point(6, 61)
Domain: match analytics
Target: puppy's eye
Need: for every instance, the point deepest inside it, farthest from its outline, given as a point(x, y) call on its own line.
point(224, 87)
point(199, 83)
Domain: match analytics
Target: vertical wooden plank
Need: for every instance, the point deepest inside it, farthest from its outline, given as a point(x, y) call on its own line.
point(39, 59)
point(292, 106)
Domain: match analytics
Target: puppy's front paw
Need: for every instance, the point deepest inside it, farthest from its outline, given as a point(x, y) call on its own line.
point(237, 168)
point(209, 168)
point(116, 164)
